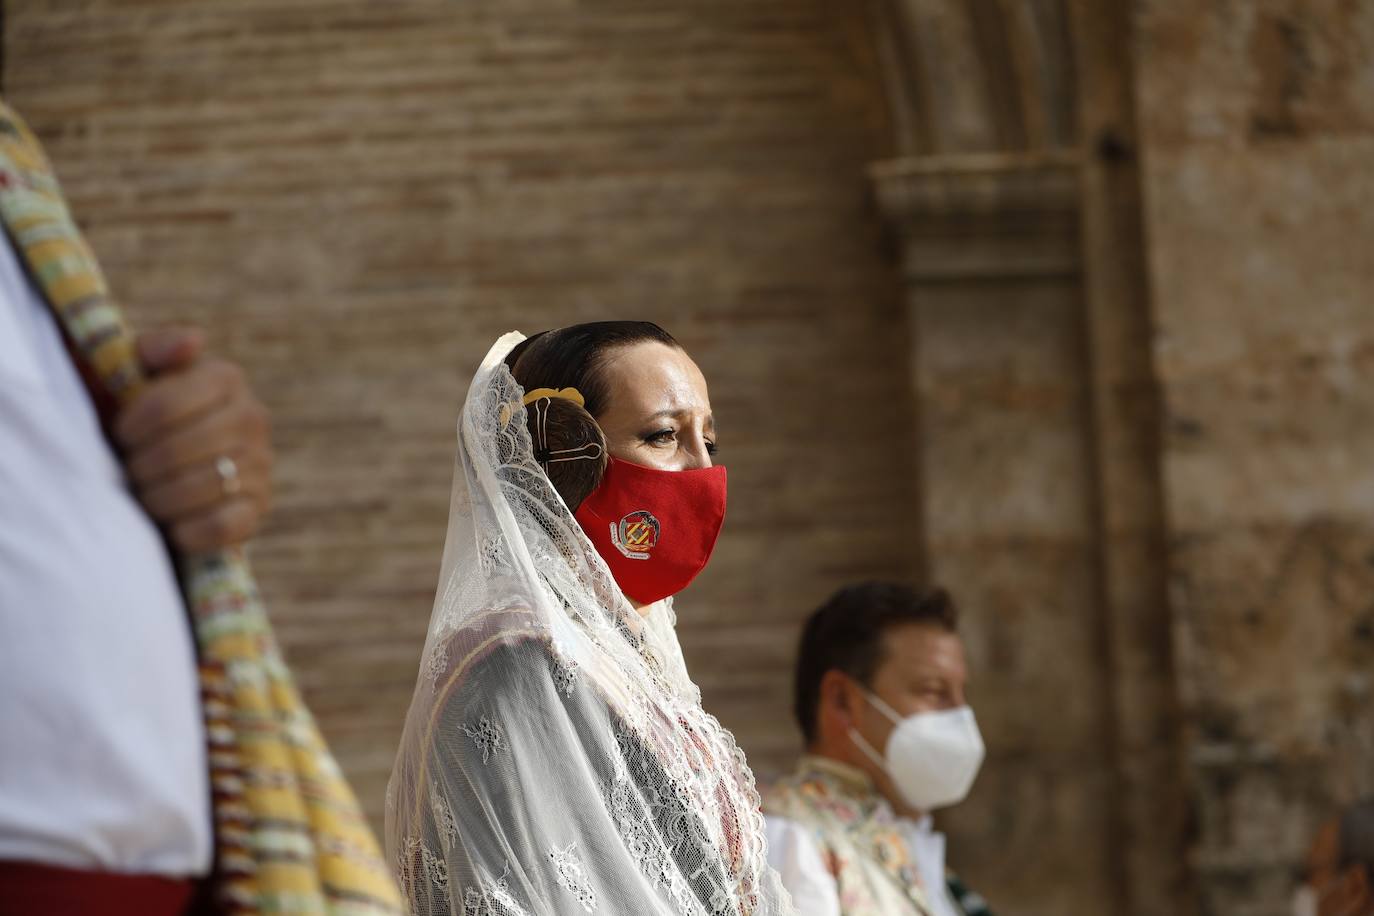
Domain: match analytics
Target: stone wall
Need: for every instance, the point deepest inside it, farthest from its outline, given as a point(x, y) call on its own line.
point(1257, 120)
point(356, 198)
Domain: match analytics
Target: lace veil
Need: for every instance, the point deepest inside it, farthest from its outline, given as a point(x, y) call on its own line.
point(556, 758)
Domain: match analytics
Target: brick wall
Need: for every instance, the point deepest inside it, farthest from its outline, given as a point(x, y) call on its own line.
point(355, 198)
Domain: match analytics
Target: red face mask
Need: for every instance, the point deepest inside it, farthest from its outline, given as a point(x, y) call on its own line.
point(655, 529)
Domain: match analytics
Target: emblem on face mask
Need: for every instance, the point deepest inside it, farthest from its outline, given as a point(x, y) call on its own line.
point(635, 535)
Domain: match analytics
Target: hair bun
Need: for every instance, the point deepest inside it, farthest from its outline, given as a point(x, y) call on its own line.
point(575, 357)
point(569, 446)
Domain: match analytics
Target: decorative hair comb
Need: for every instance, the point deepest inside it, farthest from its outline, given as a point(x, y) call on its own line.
point(562, 394)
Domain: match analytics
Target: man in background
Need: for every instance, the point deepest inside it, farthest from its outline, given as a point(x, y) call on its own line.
point(879, 696)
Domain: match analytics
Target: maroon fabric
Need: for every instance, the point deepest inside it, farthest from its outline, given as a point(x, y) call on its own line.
point(44, 890)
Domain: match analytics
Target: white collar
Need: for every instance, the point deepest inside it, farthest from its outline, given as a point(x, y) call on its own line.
point(927, 848)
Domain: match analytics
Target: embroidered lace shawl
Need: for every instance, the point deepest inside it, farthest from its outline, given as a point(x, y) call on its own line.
point(556, 758)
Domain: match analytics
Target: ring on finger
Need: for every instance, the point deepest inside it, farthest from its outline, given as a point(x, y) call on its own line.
point(230, 481)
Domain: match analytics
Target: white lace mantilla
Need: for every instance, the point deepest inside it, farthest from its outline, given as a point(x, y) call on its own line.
point(556, 757)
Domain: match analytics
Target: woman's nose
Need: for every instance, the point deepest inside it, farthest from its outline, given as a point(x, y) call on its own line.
point(697, 454)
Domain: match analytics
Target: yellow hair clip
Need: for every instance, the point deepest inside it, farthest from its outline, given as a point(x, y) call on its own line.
point(563, 394)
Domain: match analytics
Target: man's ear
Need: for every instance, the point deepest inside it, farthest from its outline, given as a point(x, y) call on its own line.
point(838, 706)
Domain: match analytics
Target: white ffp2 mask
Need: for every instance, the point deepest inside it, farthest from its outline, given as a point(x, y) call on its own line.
point(932, 757)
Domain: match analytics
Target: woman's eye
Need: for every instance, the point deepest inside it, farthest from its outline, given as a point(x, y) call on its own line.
point(660, 437)
point(711, 448)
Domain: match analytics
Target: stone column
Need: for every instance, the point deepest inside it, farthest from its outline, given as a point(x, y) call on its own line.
point(1017, 204)
point(991, 258)
point(1153, 812)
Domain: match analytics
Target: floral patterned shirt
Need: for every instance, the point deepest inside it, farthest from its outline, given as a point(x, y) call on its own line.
point(860, 840)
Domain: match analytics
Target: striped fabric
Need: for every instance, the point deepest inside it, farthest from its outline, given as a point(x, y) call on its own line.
point(290, 838)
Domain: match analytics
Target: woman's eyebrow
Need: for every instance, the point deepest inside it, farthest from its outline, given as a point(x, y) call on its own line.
point(678, 412)
point(669, 412)
point(662, 414)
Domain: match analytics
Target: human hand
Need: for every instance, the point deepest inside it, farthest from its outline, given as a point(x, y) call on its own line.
point(1348, 895)
point(195, 412)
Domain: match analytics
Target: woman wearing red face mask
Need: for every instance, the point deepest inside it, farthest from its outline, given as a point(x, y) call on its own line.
point(556, 757)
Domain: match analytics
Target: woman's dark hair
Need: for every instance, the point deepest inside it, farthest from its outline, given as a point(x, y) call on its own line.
point(846, 634)
point(575, 357)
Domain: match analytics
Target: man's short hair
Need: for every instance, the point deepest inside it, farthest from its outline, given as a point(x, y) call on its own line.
point(846, 634)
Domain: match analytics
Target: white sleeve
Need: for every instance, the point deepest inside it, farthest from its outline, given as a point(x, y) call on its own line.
point(798, 860)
